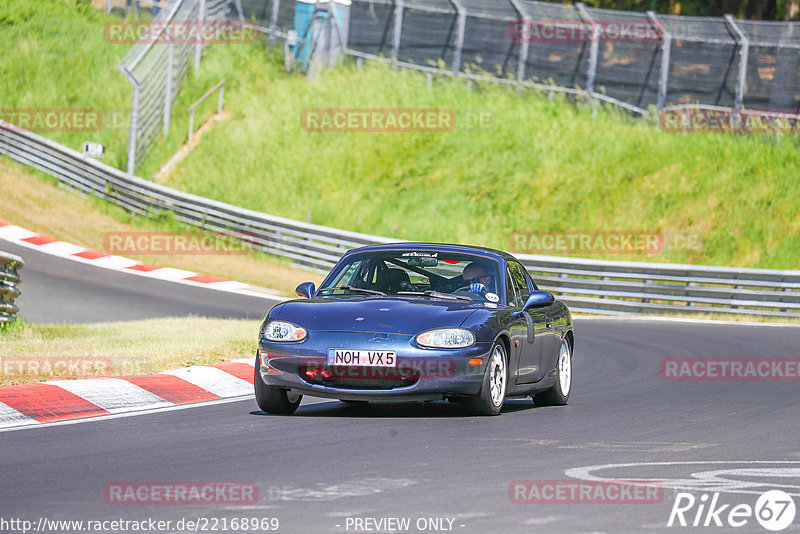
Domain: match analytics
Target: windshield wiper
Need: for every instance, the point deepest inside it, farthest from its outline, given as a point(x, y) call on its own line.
point(354, 289)
point(434, 294)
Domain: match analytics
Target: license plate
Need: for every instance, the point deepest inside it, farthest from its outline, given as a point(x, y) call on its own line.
point(362, 358)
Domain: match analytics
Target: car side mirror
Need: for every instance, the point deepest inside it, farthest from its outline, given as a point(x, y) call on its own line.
point(539, 299)
point(305, 290)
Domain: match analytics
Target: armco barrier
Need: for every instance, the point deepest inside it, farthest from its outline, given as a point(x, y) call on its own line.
point(9, 278)
point(593, 286)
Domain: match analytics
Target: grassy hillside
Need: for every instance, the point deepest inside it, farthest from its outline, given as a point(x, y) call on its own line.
point(53, 56)
point(541, 165)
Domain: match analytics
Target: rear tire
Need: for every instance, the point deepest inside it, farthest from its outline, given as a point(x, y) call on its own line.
point(272, 399)
point(493, 391)
point(558, 395)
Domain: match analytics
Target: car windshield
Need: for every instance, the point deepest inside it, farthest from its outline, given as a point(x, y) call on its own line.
point(422, 274)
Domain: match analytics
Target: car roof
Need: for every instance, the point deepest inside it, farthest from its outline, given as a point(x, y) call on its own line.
point(438, 247)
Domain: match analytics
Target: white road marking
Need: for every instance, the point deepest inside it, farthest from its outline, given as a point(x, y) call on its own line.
point(112, 394)
point(353, 488)
point(14, 233)
point(60, 248)
point(227, 285)
point(113, 262)
point(214, 380)
point(171, 274)
point(170, 408)
point(705, 481)
point(10, 416)
point(545, 520)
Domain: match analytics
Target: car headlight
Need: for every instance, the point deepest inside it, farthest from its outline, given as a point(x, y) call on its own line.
point(283, 331)
point(446, 338)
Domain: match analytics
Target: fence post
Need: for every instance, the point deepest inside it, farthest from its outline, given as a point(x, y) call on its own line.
point(399, 9)
point(594, 51)
point(201, 21)
point(273, 25)
point(462, 24)
point(744, 52)
point(168, 87)
point(525, 48)
point(666, 56)
point(134, 127)
point(238, 4)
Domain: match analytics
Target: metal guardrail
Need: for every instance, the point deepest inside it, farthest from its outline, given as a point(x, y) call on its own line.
point(620, 287)
point(190, 110)
point(592, 286)
point(10, 265)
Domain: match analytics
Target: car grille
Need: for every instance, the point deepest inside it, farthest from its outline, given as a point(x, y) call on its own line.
point(359, 377)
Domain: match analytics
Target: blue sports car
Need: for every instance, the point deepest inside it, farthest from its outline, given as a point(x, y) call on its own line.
point(417, 322)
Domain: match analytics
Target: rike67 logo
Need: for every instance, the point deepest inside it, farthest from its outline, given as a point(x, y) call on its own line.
point(720, 495)
point(774, 510)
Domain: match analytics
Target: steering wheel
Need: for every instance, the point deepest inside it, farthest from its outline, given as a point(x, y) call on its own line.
point(465, 291)
point(408, 286)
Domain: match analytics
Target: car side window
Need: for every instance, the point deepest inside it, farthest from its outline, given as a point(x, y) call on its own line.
point(511, 297)
point(531, 281)
point(520, 282)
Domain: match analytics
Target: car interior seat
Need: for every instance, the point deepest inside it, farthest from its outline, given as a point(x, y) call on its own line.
point(393, 280)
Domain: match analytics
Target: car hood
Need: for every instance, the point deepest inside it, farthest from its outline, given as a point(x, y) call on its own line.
point(384, 314)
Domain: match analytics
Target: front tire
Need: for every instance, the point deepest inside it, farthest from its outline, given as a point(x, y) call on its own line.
point(493, 391)
point(272, 399)
point(558, 395)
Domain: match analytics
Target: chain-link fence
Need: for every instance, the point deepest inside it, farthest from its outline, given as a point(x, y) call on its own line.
point(137, 8)
point(158, 62)
point(633, 59)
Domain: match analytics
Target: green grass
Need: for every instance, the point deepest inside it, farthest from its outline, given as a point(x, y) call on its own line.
point(542, 165)
point(53, 55)
point(12, 328)
point(122, 348)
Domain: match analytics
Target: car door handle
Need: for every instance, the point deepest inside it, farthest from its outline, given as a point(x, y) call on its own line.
point(530, 326)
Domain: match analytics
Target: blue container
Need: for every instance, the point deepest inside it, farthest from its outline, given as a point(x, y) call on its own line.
point(303, 15)
point(310, 18)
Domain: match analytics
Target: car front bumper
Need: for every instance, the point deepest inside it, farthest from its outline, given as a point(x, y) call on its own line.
point(420, 374)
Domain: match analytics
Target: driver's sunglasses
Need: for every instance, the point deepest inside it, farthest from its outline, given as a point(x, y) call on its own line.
point(484, 279)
